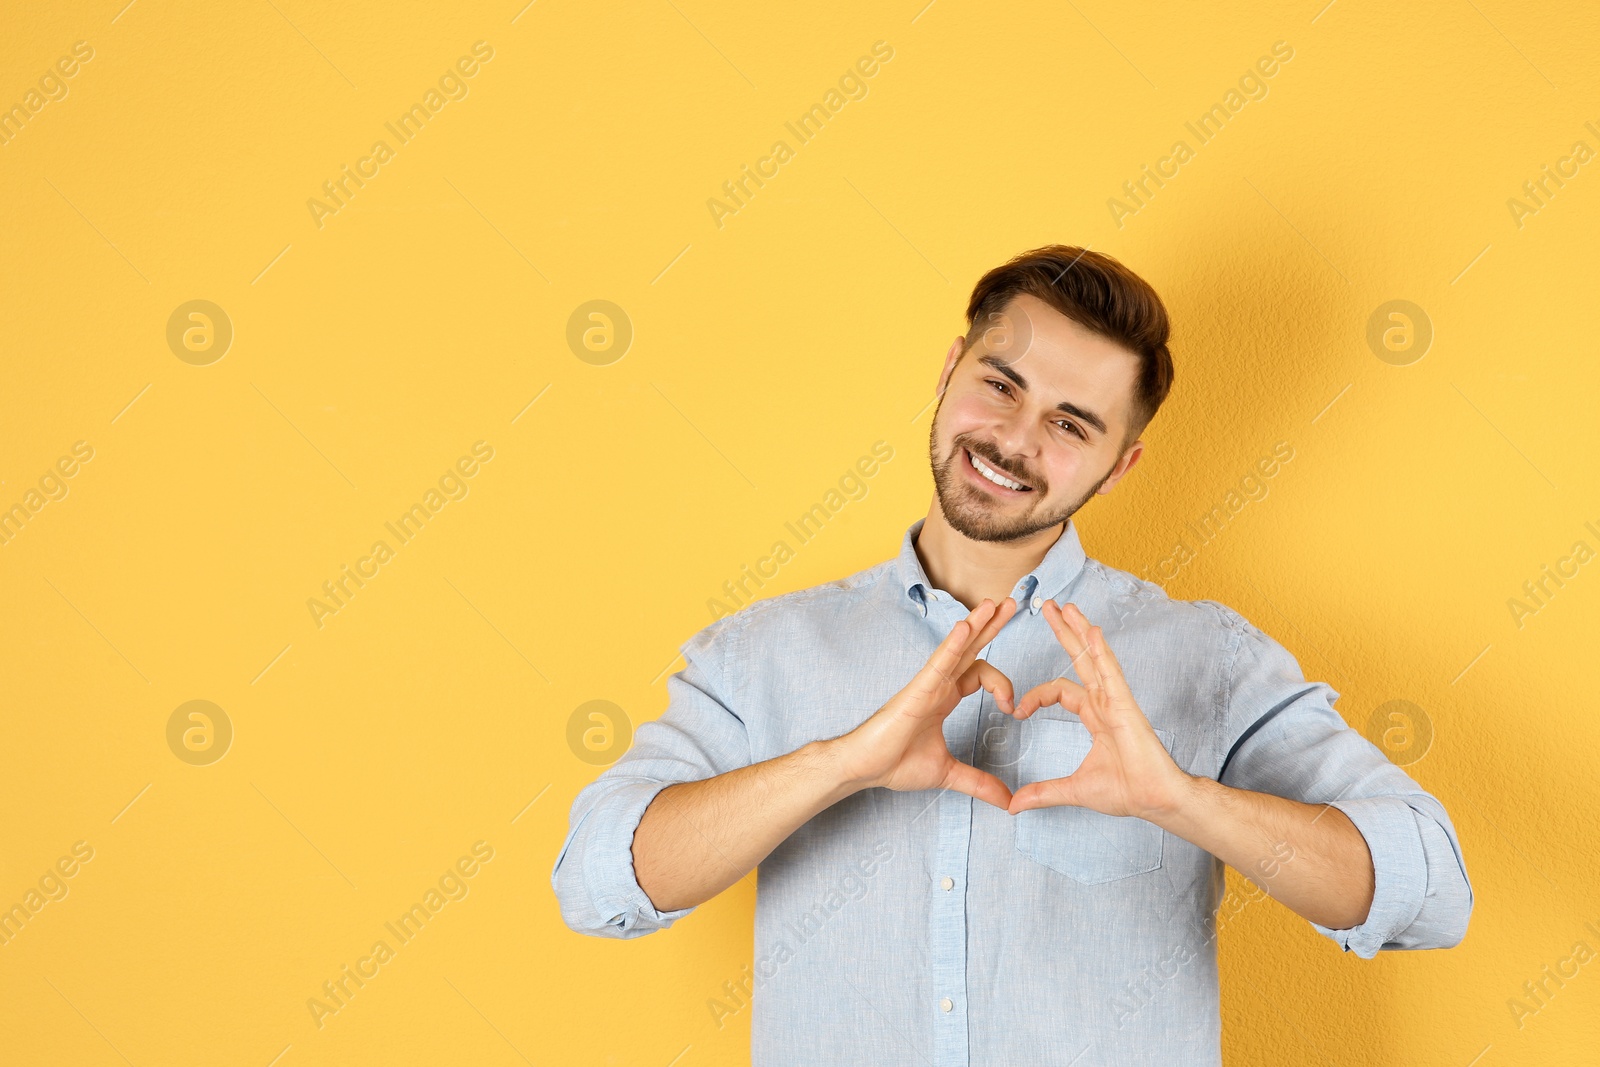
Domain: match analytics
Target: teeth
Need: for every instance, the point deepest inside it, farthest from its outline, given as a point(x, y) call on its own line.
point(993, 475)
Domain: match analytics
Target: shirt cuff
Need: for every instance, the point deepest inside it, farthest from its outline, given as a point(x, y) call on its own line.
point(1399, 869)
point(608, 864)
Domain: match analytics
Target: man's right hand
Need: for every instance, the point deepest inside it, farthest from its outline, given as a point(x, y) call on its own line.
point(695, 839)
point(902, 745)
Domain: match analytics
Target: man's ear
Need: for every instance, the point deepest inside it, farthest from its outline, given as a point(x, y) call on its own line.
point(951, 358)
point(1124, 465)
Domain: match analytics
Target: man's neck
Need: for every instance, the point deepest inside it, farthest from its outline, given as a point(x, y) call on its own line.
point(972, 570)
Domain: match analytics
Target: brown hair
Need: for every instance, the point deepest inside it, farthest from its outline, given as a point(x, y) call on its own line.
point(1097, 292)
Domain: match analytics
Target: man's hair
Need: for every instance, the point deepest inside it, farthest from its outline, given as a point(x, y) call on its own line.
point(1098, 293)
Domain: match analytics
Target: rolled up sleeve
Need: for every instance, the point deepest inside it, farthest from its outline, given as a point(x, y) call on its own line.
point(699, 736)
point(1283, 737)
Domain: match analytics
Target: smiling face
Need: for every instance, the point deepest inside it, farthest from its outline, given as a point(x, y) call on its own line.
point(1030, 423)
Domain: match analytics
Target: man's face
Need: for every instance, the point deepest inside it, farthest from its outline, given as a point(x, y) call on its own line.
point(1040, 401)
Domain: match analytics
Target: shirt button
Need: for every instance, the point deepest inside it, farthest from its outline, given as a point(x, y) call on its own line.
point(948, 883)
point(947, 1004)
point(1038, 602)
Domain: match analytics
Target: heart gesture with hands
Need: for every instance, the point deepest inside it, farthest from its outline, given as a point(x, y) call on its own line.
point(902, 745)
point(1128, 770)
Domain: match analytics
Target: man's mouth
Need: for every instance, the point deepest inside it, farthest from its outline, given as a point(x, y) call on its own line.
point(1003, 481)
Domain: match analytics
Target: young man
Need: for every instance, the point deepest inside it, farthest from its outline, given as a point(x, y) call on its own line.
point(1015, 859)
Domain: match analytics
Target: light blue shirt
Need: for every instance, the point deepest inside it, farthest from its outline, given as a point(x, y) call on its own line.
point(930, 928)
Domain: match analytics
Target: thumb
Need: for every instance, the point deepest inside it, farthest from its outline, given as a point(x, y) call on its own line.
point(964, 778)
point(1050, 793)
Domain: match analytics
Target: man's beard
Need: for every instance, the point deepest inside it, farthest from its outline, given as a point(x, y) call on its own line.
point(971, 514)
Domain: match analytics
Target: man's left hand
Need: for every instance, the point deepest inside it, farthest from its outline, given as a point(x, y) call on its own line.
point(1128, 771)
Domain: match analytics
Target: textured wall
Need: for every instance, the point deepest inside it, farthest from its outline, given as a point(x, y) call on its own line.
point(405, 337)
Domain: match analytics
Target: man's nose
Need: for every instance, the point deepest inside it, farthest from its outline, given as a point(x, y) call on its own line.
point(1016, 440)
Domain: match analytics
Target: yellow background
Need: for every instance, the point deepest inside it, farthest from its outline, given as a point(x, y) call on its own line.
point(369, 353)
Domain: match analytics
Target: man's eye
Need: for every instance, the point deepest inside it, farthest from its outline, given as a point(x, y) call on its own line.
point(1071, 427)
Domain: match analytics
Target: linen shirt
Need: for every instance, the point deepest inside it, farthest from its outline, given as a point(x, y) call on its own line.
point(930, 928)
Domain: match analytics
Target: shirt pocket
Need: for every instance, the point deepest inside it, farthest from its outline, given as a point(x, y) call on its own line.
point(1086, 846)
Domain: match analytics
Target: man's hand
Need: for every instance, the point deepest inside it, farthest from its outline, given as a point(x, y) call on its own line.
point(902, 745)
point(1127, 771)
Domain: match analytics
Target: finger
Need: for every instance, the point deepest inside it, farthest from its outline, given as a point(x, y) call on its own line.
point(1068, 636)
point(1063, 691)
point(945, 663)
point(967, 779)
point(1109, 666)
point(1051, 793)
point(985, 674)
point(1104, 662)
point(939, 671)
point(986, 633)
point(1088, 666)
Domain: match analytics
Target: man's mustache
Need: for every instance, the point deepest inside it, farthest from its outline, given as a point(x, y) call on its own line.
point(1000, 465)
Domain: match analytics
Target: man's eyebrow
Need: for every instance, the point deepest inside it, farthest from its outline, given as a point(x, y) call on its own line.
point(1022, 383)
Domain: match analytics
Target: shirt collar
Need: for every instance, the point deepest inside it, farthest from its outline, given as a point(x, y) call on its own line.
point(1048, 580)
